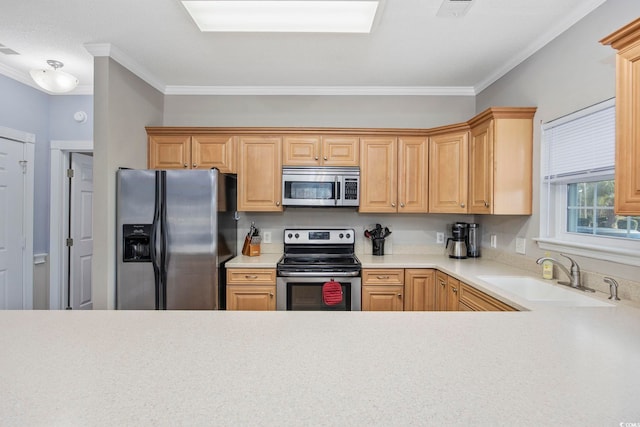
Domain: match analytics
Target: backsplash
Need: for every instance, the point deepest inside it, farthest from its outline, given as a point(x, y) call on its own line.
point(411, 233)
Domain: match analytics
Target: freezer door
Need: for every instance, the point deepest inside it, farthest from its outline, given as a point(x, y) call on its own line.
point(191, 229)
point(135, 280)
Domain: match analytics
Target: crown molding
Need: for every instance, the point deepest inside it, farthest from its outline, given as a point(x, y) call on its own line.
point(540, 42)
point(107, 49)
point(322, 90)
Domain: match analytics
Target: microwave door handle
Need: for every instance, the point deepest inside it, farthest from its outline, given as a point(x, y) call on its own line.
point(336, 190)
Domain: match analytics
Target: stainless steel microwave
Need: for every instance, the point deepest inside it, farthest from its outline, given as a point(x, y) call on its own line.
point(321, 186)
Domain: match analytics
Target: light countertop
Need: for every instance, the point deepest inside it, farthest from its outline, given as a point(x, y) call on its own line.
point(555, 366)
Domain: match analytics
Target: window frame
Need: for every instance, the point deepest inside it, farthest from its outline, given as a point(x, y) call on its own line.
point(553, 217)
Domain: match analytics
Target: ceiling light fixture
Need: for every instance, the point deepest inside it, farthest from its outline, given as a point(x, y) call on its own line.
point(283, 16)
point(56, 80)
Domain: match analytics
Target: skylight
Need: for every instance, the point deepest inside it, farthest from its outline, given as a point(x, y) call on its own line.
point(283, 16)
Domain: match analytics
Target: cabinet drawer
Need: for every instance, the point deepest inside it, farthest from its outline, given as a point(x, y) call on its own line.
point(479, 301)
point(251, 276)
point(383, 277)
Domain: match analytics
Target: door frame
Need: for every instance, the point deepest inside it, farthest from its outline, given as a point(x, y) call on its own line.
point(59, 218)
point(28, 140)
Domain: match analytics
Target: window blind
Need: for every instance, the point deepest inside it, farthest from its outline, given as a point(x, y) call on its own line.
point(581, 146)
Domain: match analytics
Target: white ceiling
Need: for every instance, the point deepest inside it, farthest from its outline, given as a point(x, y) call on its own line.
point(409, 51)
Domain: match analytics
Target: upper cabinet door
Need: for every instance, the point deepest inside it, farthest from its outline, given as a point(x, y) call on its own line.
point(413, 174)
point(169, 152)
point(481, 168)
point(260, 173)
point(378, 174)
point(213, 151)
point(627, 173)
point(340, 150)
point(301, 150)
point(448, 172)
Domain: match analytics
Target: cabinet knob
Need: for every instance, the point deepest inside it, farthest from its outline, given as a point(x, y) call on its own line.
point(271, 294)
point(277, 203)
point(186, 165)
point(486, 204)
point(400, 296)
point(401, 205)
point(195, 165)
point(442, 283)
point(393, 205)
point(462, 205)
point(455, 290)
point(325, 157)
point(316, 157)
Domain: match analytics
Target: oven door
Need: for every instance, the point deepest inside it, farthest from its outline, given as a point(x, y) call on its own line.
point(305, 293)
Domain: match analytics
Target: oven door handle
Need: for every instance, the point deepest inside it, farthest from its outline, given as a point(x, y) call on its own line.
point(318, 273)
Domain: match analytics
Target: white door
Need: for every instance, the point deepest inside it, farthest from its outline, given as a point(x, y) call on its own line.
point(12, 240)
point(81, 231)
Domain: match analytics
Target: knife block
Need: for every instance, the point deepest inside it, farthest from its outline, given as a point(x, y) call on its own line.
point(251, 246)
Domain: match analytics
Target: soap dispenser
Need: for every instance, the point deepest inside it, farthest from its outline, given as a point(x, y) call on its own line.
point(547, 268)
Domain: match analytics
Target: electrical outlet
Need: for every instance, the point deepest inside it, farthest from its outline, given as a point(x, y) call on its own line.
point(266, 237)
point(439, 237)
point(521, 244)
point(494, 241)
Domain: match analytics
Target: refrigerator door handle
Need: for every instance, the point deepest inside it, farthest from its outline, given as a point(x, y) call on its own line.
point(164, 258)
point(155, 255)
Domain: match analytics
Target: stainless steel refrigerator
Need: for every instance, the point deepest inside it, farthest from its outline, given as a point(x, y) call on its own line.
point(175, 231)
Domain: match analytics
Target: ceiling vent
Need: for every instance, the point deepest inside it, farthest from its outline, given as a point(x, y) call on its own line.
point(454, 8)
point(7, 51)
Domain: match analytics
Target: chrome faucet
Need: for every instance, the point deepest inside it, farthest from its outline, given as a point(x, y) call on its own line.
point(573, 275)
point(613, 288)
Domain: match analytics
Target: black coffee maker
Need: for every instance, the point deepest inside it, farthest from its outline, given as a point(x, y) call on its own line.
point(459, 246)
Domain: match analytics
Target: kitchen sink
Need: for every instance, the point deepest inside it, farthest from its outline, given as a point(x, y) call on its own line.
point(536, 290)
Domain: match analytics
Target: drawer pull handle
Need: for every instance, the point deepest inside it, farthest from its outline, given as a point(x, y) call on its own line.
point(250, 277)
point(383, 277)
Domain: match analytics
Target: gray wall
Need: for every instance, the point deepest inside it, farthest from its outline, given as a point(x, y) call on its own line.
point(49, 118)
point(123, 104)
point(318, 111)
point(570, 73)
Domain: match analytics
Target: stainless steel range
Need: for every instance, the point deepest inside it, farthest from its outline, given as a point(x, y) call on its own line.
point(313, 257)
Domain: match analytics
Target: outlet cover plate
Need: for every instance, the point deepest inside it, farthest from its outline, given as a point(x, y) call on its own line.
point(494, 241)
point(266, 237)
point(521, 244)
point(439, 237)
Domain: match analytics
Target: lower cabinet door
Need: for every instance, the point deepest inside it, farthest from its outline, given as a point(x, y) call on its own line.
point(382, 298)
point(251, 297)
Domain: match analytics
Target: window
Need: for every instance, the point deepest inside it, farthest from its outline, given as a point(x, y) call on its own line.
point(577, 192)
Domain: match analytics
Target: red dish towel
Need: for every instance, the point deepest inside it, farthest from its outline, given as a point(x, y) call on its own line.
point(332, 293)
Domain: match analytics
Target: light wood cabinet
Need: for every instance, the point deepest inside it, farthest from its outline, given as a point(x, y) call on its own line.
point(378, 174)
point(394, 174)
point(260, 173)
point(382, 289)
point(186, 151)
point(471, 299)
point(453, 294)
point(419, 289)
point(251, 289)
point(441, 291)
point(448, 171)
point(319, 150)
point(626, 41)
point(500, 161)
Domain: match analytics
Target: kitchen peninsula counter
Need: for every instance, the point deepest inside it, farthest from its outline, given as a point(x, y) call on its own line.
point(567, 366)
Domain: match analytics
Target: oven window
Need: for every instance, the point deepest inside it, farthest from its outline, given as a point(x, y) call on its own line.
point(308, 296)
point(304, 190)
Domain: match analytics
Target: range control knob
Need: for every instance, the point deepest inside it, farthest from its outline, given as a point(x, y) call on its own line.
point(297, 236)
point(341, 235)
point(348, 236)
point(289, 235)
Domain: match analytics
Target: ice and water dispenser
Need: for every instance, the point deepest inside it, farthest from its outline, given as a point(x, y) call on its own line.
point(137, 242)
